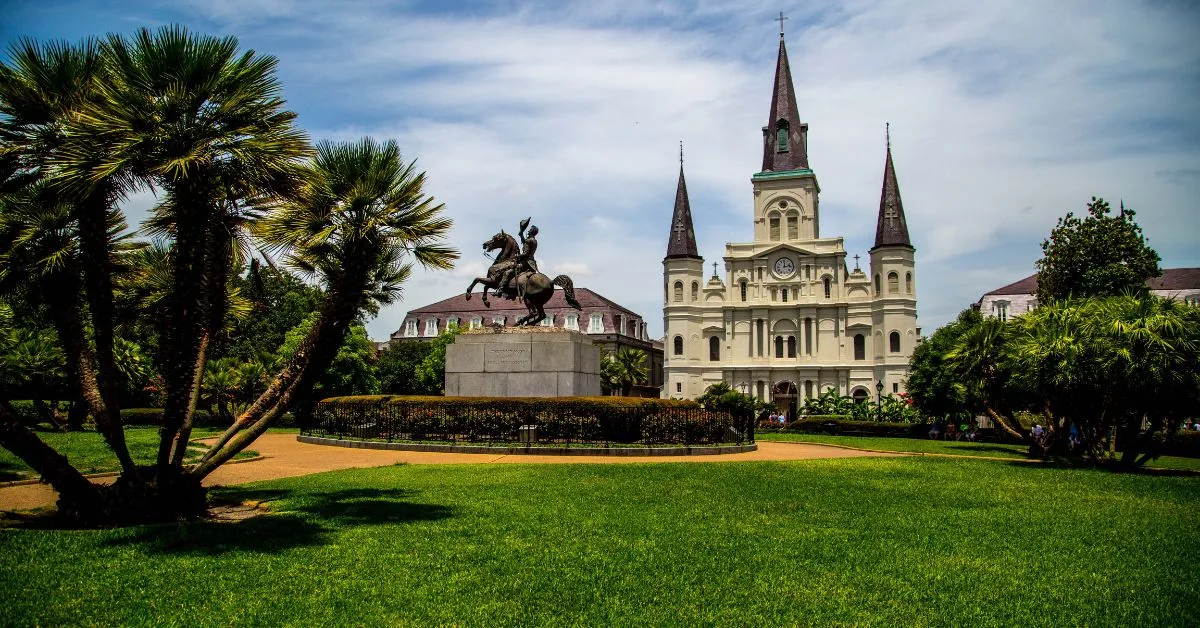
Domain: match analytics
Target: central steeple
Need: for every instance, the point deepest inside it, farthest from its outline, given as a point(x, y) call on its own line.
point(785, 138)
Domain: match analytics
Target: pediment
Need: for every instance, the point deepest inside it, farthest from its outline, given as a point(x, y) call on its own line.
point(784, 247)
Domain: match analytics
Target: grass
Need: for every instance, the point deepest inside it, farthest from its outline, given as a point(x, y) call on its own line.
point(88, 452)
point(878, 541)
point(953, 448)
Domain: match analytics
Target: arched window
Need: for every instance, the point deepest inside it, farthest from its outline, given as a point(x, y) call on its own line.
point(878, 290)
point(808, 337)
point(742, 283)
point(714, 349)
point(793, 220)
point(678, 291)
point(893, 283)
point(779, 346)
point(860, 395)
point(783, 293)
point(781, 137)
point(860, 347)
point(828, 288)
point(695, 291)
point(774, 221)
point(908, 283)
point(678, 345)
point(791, 346)
point(894, 341)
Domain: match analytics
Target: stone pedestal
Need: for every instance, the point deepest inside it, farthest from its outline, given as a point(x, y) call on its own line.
point(516, 362)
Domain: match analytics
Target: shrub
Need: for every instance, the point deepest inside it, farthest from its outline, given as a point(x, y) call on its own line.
point(564, 420)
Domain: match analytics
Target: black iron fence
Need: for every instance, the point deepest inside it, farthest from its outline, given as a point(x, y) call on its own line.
point(578, 421)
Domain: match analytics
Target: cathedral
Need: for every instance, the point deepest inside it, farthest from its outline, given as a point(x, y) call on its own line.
point(789, 319)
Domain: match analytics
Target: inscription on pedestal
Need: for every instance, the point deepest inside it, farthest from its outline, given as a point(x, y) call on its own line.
point(506, 358)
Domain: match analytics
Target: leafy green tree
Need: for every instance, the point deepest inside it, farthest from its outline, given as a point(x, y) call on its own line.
point(352, 371)
point(397, 367)
point(431, 372)
point(1101, 254)
point(934, 389)
point(278, 302)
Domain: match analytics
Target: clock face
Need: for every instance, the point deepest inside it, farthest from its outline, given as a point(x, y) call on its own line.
point(784, 267)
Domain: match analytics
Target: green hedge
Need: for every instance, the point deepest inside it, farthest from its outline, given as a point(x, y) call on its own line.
point(559, 421)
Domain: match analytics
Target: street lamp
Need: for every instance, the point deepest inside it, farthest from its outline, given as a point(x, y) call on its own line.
point(879, 400)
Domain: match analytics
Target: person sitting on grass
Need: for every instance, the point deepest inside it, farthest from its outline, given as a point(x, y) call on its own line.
point(935, 431)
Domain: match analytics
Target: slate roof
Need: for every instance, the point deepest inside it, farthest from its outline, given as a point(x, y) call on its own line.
point(892, 228)
point(458, 304)
point(783, 107)
point(682, 240)
point(1171, 279)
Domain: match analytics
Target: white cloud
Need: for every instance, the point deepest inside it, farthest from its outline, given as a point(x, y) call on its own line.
point(1004, 116)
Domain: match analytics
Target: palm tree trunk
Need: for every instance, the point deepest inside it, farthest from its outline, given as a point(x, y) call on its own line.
point(185, 342)
point(1002, 421)
point(97, 273)
point(77, 496)
point(68, 320)
point(298, 377)
point(217, 270)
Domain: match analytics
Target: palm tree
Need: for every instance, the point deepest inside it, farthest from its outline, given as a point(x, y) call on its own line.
point(42, 93)
point(628, 367)
point(204, 122)
point(979, 360)
point(358, 224)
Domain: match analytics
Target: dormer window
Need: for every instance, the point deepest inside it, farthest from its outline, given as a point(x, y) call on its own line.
point(781, 137)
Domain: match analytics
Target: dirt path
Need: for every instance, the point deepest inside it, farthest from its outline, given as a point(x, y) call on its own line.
point(284, 457)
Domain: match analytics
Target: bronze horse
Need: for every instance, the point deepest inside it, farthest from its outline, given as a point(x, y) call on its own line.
point(536, 287)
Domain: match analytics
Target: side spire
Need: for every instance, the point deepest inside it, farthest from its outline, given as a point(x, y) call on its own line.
point(785, 141)
point(892, 228)
point(682, 241)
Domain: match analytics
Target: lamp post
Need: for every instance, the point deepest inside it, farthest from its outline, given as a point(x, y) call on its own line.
point(879, 400)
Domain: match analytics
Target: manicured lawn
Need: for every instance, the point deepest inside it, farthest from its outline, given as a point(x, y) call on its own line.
point(88, 452)
point(949, 447)
point(884, 541)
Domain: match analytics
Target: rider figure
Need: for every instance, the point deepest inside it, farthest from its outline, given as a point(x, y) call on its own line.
point(523, 261)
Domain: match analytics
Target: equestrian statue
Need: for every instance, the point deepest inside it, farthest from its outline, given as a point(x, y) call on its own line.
point(514, 274)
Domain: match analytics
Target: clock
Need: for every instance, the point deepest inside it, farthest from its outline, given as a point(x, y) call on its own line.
point(784, 267)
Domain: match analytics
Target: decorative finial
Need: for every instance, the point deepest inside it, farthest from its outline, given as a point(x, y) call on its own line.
point(887, 131)
point(680, 153)
point(780, 19)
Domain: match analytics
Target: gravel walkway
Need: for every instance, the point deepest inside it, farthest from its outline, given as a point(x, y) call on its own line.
point(284, 457)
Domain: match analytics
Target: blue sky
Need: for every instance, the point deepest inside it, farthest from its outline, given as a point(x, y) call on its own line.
point(1004, 117)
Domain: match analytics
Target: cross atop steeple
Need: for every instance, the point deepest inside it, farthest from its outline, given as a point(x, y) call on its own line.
point(714, 270)
point(780, 19)
point(856, 268)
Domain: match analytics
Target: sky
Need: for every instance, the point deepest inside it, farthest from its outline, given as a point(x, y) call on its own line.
point(1004, 116)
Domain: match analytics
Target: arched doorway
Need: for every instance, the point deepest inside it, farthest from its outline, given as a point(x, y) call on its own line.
point(860, 395)
point(785, 395)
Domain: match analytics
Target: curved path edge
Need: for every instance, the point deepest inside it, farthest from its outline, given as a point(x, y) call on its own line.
point(284, 457)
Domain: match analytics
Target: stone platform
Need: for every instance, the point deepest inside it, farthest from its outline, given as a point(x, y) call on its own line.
point(522, 362)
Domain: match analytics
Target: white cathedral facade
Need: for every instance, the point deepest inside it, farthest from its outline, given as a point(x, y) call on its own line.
point(789, 319)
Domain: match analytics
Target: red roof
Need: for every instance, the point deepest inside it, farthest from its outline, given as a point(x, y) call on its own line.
point(459, 304)
point(1171, 279)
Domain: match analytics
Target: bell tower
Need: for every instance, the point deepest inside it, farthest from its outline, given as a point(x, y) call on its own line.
point(786, 190)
